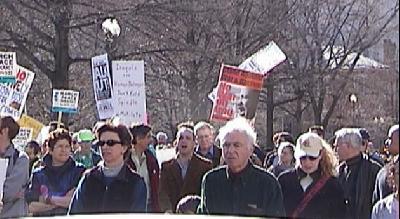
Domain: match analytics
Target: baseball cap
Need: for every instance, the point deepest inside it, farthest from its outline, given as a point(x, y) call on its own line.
point(308, 144)
point(85, 135)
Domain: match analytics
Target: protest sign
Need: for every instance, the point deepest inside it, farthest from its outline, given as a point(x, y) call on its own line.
point(102, 86)
point(129, 91)
point(3, 171)
point(65, 101)
point(8, 64)
point(23, 137)
point(260, 62)
point(237, 94)
point(17, 92)
point(264, 60)
point(29, 122)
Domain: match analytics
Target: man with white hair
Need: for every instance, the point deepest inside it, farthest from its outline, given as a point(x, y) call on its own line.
point(240, 188)
point(357, 173)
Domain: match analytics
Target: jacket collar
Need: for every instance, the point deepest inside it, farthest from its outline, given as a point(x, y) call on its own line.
point(314, 175)
point(122, 175)
point(48, 163)
point(9, 151)
point(241, 175)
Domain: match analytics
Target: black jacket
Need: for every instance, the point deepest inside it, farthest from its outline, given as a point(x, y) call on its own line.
point(253, 192)
point(327, 203)
point(358, 193)
point(126, 193)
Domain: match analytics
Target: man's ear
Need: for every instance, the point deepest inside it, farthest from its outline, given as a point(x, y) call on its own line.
point(4, 131)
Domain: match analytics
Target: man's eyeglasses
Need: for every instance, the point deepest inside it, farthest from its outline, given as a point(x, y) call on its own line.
point(110, 143)
point(308, 157)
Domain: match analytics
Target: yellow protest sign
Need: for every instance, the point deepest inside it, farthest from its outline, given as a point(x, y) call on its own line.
point(29, 122)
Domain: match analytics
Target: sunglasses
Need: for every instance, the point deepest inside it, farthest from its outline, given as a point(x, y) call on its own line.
point(308, 157)
point(110, 143)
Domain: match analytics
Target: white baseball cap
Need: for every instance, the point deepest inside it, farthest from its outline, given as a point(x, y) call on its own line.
point(308, 144)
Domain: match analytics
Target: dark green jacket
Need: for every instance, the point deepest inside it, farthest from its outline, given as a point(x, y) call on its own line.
point(253, 192)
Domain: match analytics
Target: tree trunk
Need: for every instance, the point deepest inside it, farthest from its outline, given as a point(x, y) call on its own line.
point(270, 113)
point(59, 77)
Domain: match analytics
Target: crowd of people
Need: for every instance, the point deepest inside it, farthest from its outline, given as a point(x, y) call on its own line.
point(113, 168)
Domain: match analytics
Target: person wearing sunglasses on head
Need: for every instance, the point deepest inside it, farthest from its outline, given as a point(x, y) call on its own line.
point(311, 190)
point(111, 186)
point(53, 184)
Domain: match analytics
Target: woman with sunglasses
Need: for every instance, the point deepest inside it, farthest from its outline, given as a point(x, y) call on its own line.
point(311, 189)
point(111, 186)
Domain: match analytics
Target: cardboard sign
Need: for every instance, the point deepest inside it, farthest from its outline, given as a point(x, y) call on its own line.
point(237, 94)
point(264, 60)
point(8, 64)
point(29, 122)
point(102, 86)
point(13, 104)
point(65, 101)
point(23, 137)
point(129, 91)
point(260, 62)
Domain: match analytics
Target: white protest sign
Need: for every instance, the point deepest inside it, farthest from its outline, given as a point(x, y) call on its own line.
point(8, 64)
point(23, 137)
point(65, 101)
point(264, 60)
point(129, 91)
point(18, 93)
point(102, 86)
point(3, 171)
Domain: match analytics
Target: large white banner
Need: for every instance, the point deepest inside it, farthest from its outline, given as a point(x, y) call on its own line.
point(65, 101)
point(13, 98)
point(102, 86)
point(129, 91)
point(8, 65)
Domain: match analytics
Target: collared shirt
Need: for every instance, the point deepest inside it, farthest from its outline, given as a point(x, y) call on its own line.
point(184, 167)
point(208, 155)
point(140, 162)
point(307, 179)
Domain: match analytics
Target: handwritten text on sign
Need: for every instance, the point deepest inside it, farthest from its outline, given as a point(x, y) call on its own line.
point(129, 91)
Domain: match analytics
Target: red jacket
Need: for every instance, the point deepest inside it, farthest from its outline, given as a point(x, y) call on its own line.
point(154, 174)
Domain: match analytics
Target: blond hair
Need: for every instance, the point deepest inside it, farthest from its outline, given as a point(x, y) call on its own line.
point(328, 162)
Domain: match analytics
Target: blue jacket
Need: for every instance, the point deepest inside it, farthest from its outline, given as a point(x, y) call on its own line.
point(58, 180)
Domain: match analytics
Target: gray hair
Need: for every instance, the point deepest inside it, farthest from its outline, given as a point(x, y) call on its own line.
point(241, 125)
point(350, 136)
point(202, 125)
